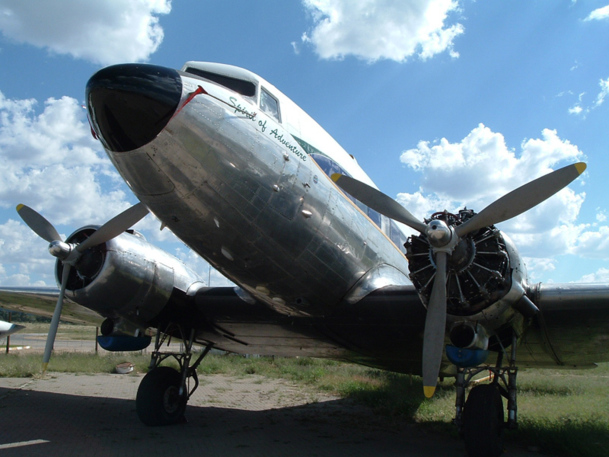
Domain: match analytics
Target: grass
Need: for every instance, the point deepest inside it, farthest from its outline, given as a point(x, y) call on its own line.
point(65, 332)
point(561, 412)
point(23, 365)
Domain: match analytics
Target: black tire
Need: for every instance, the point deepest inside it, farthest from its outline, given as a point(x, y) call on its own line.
point(158, 401)
point(483, 422)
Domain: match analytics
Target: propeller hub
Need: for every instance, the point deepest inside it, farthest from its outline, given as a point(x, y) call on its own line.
point(438, 233)
point(60, 249)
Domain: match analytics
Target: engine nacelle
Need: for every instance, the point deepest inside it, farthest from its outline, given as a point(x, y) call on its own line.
point(126, 277)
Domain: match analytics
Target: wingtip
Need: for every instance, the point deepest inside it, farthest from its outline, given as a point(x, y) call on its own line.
point(429, 391)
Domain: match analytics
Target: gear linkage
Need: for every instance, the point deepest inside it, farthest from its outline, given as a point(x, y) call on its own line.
point(503, 379)
point(183, 358)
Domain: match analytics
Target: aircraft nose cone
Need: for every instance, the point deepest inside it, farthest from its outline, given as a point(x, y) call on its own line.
point(130, 104)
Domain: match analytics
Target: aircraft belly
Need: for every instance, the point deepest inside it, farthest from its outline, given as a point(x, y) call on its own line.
point(266, 218)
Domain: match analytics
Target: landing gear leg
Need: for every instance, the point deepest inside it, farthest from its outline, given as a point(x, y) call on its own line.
point(480, 419)
point(163, 393)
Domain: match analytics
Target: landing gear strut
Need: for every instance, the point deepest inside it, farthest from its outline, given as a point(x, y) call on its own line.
point(163, 393)
point(480, 419)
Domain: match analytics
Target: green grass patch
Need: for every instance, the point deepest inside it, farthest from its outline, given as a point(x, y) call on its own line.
point(21, 365)
point(66, 331)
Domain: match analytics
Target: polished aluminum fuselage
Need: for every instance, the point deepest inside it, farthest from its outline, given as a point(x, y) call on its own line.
point(237, 188)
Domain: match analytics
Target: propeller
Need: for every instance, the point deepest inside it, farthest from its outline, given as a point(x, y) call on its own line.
point(69, 254)
point(444, 238)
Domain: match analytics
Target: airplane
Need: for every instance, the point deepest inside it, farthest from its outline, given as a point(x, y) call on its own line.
point(7, 328)
point(252, 184)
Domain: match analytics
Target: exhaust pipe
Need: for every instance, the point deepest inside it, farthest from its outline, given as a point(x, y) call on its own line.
point(467, 335)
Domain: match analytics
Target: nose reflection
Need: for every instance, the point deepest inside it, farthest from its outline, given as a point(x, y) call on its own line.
point(130, 104)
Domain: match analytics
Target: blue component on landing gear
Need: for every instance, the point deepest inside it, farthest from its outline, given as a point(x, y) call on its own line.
point(124, 343)
point(465, 358)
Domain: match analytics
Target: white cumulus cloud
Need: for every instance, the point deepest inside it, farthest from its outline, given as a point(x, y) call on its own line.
point(599, 14)
point(103, 32)
point(51, 162)
point(601, 276)
point(23, 255)
point(382, 29)
point(481, 168)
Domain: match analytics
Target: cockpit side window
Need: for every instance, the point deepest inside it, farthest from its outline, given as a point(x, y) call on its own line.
point(269, 104)
point(245, 88)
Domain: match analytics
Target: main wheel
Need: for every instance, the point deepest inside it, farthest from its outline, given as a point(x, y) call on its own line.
point(158, 400)
point(483, 422)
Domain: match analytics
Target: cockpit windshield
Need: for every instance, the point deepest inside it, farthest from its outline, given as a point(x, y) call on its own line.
point(245, 88)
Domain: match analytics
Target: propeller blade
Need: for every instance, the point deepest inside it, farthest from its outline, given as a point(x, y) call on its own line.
point(522, 199)
point(435, 325)
point(378, 201)
point(43, 228)
point(115, 226)
point(55, 320)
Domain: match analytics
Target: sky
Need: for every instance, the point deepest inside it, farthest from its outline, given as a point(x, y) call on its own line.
point(444, 103)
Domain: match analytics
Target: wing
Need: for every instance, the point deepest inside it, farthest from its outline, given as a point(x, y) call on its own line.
point(384, 329)
point(571, 329)
point(41, 301)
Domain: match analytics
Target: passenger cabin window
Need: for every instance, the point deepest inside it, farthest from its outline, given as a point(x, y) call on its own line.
point(245, 88)
point(269, 105)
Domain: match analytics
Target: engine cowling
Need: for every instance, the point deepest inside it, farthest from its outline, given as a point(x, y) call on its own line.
point(126, 278)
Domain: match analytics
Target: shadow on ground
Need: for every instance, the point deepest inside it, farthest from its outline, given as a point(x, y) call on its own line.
point(97, 426)
point(89, 421)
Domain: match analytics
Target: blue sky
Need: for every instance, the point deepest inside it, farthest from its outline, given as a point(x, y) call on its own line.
point(444, 103)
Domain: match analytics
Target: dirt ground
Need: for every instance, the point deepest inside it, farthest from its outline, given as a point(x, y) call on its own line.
point(75, 415)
